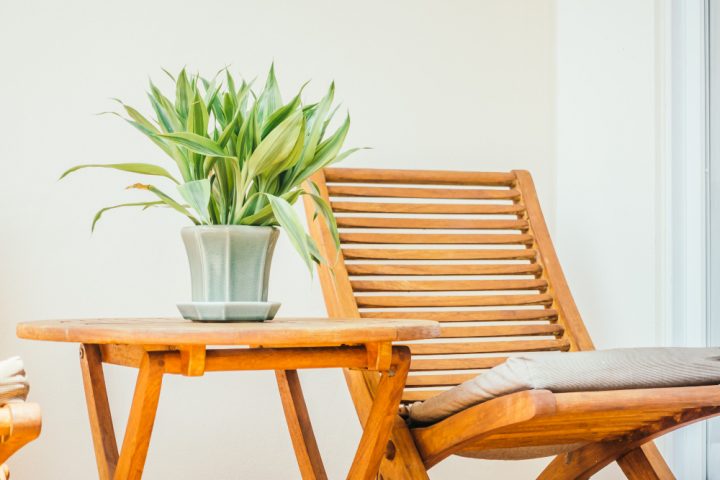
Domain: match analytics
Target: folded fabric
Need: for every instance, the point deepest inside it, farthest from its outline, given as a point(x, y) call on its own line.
point(618, 369)
point(13, 382)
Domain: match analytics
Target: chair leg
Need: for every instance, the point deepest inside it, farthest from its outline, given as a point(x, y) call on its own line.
point(584, 462)
point(402, 459)
point(142, 418)
point(298, 421)
point(381, 417)
point(645, 463)
point(101, 426)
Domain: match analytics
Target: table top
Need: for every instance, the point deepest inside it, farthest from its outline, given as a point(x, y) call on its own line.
point(278, 332)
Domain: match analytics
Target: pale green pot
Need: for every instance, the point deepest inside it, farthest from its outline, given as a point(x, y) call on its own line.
point(229, 263)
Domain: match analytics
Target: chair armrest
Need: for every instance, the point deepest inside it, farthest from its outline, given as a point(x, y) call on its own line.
point(20, 423)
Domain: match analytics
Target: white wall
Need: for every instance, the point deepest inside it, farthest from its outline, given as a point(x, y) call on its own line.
point(607, 165)
point(609, 126)
point(461, 85)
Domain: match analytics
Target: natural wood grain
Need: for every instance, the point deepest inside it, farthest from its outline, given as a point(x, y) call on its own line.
point(538, 314)
point(563, 300)
point(645, 463)
point(418, 177)
point(243, 359)
point(431, 223)
point(443, 269)
point(438, 380)
point(381, 418)
point(299, 425)
point(434, 208)
point(588, 460)
point(446, 285)
point(278, 332)
point(404, 192)
point(20, 423)
point(442, 439)
point(489, 347)
point(415, 395)
point(98, 407)
point(451, 300)
point(420, 364)
point(502, 331)
point(379, 356)
point(192, 360)
point(437, 254)
point(437, 238)
point(142, 418)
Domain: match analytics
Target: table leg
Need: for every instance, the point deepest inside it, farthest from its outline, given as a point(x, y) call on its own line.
point(383, 413)
point(101, 426)
point(142, 417)
point(299, 425)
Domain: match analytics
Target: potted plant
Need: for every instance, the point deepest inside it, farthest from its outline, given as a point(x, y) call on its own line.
point(242, 160)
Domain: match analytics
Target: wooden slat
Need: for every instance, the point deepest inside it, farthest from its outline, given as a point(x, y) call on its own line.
point(417, 177)
point(447, 269)
point(445, 285)
point(437, 238)
point(489, 347)
point(452, 300)
point(501, 331)
point(439, 208)
point(420, 395)
point(468, 363)
point(470, 316)
point(401, 192)
point(438, 254)
point(451, 379)
point(435, 223)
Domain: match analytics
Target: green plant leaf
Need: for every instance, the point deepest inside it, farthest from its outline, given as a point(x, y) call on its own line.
point(182, 95)
point(196, 143)
point(276, 146)
point(315, 124)
point(245, 143)
point(270, 98)
point(326, 152)
point(197, 195)
point(342, 156)
point(164, 110)
point(322, 206)
point(280, 114)
point(265, 214)
point(167, 199)
point(100, 212)
point(142, 168)
point(289, 221)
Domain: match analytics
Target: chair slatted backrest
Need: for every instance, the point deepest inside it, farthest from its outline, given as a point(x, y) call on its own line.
point(468, 249)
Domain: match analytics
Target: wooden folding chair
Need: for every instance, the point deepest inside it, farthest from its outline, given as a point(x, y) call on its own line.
point(20, 423)
point(472, 251)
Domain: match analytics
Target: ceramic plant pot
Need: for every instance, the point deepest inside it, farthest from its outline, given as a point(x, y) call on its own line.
point(229, 270)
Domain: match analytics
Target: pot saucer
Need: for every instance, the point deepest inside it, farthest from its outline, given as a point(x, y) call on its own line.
point(229, 311)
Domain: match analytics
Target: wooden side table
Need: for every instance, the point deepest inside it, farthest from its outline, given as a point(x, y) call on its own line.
point(175, 346)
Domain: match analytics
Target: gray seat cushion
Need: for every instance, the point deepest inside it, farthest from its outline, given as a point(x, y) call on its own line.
point(619, 369)
point(13, 382)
